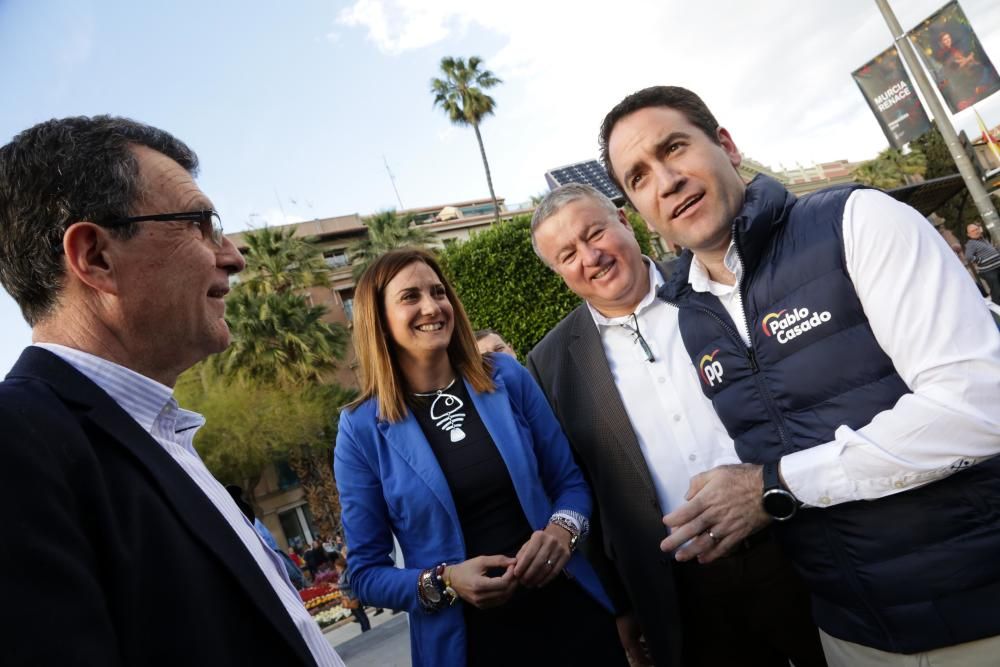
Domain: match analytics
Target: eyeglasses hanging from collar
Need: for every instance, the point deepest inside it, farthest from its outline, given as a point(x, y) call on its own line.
point(637, 338)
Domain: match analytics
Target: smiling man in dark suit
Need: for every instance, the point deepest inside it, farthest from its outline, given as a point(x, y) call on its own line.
point(618, 378)
point(118, 262)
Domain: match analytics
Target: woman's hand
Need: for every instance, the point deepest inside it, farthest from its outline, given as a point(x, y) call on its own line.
point(469, 581)
point(543, 556)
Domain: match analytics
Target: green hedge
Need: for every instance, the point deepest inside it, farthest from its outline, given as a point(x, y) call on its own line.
point(505, 286)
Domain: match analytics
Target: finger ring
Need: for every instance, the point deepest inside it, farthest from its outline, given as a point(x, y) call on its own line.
point(715, 538)
point(549, 562)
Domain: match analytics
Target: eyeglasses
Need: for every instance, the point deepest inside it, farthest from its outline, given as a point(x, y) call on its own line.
point(208, 221)
point(637, 338)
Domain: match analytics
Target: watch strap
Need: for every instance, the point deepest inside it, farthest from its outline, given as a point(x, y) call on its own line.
point(772, 478)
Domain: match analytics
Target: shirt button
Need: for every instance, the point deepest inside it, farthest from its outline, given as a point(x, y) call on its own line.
point(677, 418)
point(825, 500)
point(899, 484)
point(661, 380)
point(693, 457)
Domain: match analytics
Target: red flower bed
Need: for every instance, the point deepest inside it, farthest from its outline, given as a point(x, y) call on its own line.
point(308, 594)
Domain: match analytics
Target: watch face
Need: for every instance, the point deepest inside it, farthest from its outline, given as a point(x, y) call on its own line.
point(431, 591)
point(779, 504)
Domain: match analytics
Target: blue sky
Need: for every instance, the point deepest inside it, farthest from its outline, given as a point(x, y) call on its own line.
point(291, 108)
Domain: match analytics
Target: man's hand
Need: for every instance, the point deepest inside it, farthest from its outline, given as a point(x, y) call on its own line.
point(630, 635)
point(724, 507)
point(543, 556)
point(468, 579)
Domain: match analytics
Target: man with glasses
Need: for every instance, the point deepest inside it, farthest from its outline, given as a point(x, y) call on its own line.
point(617, 376)
point(118, 262)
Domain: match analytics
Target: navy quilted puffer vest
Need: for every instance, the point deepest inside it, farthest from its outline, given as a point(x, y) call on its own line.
point(908, 573)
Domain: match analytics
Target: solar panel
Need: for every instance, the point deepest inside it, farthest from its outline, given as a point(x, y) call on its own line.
point(590, 172)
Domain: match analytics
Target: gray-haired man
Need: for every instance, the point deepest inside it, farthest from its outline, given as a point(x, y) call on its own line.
point(617, 376)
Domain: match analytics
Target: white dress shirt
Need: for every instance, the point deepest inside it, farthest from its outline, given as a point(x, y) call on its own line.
point(154, 408)
point(930, 320)
point(676, 426)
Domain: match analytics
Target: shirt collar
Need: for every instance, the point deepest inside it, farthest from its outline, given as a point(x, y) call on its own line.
point(655, 282)
point(701, 282)
point(141, 397)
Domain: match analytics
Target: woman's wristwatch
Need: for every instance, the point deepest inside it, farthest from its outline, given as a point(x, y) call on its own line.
point(570, 527)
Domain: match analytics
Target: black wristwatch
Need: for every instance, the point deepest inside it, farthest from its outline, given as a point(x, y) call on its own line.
point(778, 501)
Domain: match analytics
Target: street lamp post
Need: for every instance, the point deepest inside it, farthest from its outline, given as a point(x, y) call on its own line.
point(982, 200)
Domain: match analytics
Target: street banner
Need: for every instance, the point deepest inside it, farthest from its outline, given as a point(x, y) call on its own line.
point(955, 57)
point(892, 98)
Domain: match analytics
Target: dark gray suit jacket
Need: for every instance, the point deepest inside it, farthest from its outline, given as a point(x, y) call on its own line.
point(570, 366)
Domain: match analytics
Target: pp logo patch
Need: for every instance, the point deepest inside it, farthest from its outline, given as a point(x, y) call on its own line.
point(710, 369)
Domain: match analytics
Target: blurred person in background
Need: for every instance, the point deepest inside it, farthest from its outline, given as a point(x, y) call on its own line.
point(985, 259)
point(488, 340)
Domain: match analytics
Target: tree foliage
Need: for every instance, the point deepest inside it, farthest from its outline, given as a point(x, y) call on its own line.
point(278, 336)
point(936, 153)
point(249, 425)
point(386, 231)
point(461, 95)
point(505, 286)
point(263, 398)
point(642, 233)
point(279, 262)
point(892, 168)
point(960, 210)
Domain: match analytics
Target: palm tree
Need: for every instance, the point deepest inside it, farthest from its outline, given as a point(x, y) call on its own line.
point(460, 94)
point(281, 344)
point(891, 169)
point(386, 231)
point(278, 337)
point(277, 262)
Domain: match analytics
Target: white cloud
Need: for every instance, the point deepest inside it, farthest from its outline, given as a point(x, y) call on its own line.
point(403, 26)
point(273, 217)
point(777, 74)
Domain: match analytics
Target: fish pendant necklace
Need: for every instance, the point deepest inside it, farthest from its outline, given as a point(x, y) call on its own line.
point(446, 411)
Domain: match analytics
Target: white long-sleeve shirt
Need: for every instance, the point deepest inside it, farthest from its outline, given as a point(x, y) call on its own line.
point(928, 317)
point(675, 425)
point(154, 408)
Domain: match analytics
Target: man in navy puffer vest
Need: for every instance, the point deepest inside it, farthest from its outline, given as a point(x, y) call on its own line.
point(856, 369)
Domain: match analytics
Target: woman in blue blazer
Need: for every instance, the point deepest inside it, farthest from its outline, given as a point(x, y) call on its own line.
point(461, 458)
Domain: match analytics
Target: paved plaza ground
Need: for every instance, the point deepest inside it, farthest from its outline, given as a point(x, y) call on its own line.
point(387, 644)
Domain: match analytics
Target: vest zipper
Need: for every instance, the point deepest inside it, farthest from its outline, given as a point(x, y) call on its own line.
point(779, 423)
point(749, 353)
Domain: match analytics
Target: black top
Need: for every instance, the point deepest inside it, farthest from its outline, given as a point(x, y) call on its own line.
point(491, 516)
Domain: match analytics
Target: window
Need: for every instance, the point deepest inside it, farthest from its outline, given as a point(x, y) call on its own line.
point(286, 476)
point(298, 526)
point(347, 298)
point(336, 259)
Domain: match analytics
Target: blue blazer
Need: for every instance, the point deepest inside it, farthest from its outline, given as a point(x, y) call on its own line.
point(390, 483)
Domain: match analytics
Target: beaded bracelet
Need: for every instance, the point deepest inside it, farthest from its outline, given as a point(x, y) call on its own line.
point(444, 585)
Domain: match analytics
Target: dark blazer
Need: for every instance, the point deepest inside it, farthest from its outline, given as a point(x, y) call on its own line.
point(111, 554)
point(570, 366)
